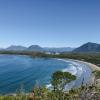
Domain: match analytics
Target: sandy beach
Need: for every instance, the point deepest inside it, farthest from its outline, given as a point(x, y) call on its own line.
point(92, 66)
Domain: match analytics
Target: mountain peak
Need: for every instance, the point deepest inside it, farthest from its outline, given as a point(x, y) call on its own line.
point(88, 47)
point(16, 47)
point(35, 48)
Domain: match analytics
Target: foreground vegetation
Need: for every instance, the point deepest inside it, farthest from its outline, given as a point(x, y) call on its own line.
point(57, 92)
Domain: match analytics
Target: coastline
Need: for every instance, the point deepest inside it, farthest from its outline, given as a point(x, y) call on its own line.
point(92, 66)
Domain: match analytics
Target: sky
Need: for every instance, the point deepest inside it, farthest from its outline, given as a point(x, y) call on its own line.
point(49, 23)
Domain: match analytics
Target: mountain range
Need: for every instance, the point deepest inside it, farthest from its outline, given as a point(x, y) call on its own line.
point(37, 48)
point(87, 47)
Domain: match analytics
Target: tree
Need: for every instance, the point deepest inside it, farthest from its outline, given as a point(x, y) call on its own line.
point(60, 79)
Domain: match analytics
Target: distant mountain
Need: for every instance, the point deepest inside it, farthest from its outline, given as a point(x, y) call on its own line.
point(35, 48)
point(38, 48)
point(2, 49)
point(47, 49)
point(62, 49)
point(16, 48)
point(88, 47)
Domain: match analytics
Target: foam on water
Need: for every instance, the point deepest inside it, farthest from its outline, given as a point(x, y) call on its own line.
point(72, 69)
point(77, 69)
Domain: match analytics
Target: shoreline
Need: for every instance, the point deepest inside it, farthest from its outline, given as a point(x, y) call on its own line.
point(92, 66)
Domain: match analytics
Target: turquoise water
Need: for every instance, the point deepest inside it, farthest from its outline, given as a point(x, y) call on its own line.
point(23, 71)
